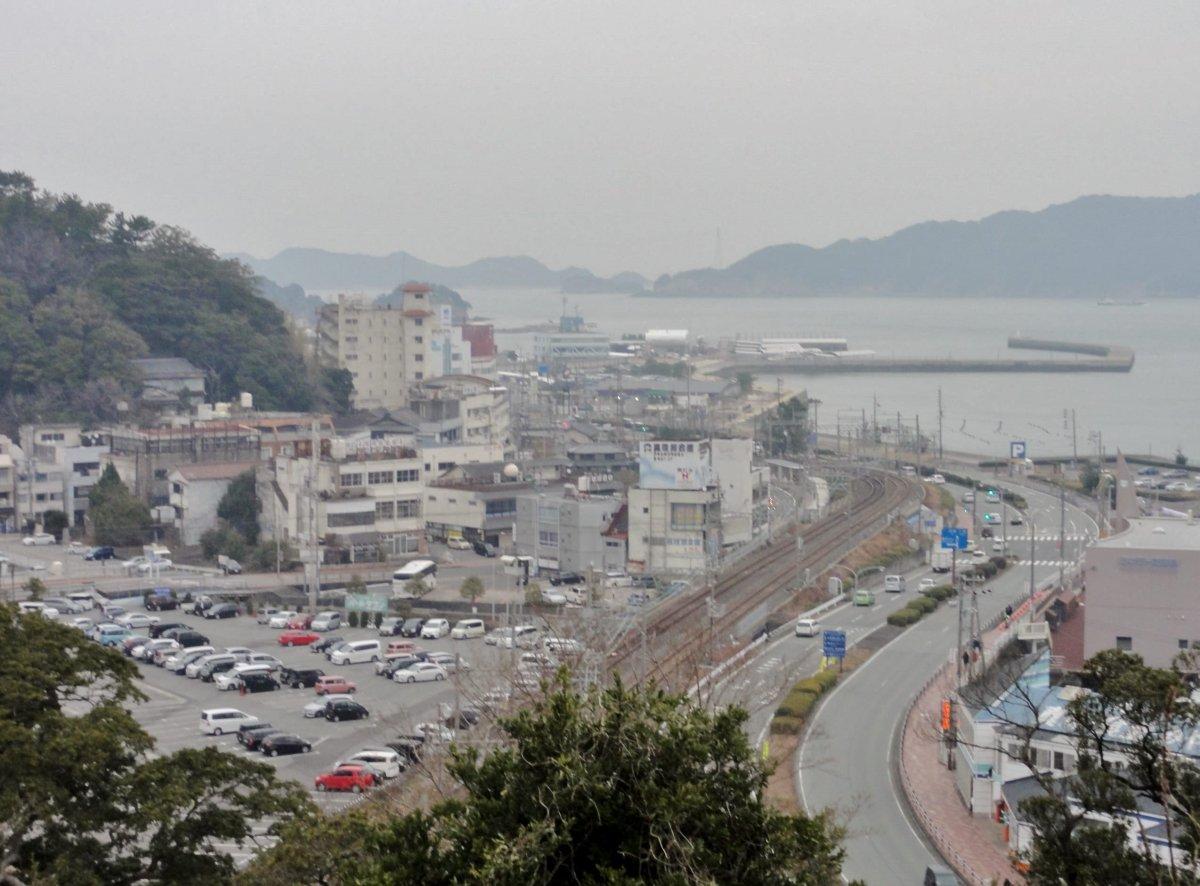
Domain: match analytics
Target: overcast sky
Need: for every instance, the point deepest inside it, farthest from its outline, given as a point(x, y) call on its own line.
point(608, 134)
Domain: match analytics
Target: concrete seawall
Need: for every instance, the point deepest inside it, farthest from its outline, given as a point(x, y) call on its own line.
point(1096, 358)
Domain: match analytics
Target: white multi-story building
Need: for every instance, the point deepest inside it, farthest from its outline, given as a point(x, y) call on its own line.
point(196, 492)
point(56, 467)
point(462, 409)
point(388, 348)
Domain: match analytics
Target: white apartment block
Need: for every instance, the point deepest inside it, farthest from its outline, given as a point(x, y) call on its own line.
point(462, 410)
point(387, 349)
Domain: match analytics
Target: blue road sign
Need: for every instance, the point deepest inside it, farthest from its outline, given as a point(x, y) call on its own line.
point(1017, 449)
point(954, 538)
point(833, 644)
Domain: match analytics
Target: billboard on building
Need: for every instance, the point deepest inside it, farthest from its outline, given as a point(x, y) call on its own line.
point(673, 464)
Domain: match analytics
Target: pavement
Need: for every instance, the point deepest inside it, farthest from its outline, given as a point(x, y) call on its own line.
point(846, 761)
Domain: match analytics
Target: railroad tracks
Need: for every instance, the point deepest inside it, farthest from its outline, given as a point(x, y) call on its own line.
point(676, 636)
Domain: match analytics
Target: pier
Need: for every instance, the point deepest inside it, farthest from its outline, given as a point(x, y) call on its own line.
point(1091, 358)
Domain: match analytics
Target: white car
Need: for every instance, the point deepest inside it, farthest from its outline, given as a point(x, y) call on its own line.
point(926, 584)
point(326, 621)
point(434, 732)
point(265, 615)
point(317, 708)
point(420, 672)
point(259, 661)
point(507, 638)
point(148, 566)
point(178, 662)
point(38, 607)
point(137, 620)
point(281, 618)
point(78, 548)
point(82, 623)
point(231, 679)
point(133, 562)
point(937, 479)
point(435, 629)
point(65, 604)
point(449, 661)
point(39, 539)
point(458, 544)
point(385, 761)
point(554, 598)
point(154, 647)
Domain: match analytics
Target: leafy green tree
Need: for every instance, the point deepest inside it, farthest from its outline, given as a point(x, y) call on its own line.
point(224, 539)
point(81, 798)
point(356, 585)
point(1089, 478)
point(118, 516)
point(35, 588)
point(554, 804)
point(239, 507)
point(745, 382)
point(262, 557)
point(471, 588)
point(416, 587)
point(55, 523)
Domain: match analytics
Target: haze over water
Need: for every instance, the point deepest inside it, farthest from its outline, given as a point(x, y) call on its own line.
point(1151, 409)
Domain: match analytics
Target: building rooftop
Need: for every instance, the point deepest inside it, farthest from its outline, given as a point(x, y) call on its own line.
point(1156, 533)
point(160, 368)
point(214, 471)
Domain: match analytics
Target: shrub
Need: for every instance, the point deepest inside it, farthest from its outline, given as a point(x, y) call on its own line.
point(924, 605)
point(810, 685)
point(800, 703)
point(1000, 563)
point(902, 618)
point(786, 726)
point(352, 618)
point(827, 678)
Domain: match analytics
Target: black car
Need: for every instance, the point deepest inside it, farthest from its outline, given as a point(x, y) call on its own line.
point(160, 602)
point(219, 667)
point(259, 682)
point(344, 709)
point(283, 743)
point(254, 738)
point(467, 717)
point(246, 729)
point(483, 549)
point(157, 631)
point(409, 749)
point(222, 610)
point(104, 552)
point(188, 639)
point(324, 643)
point(395, 664)
point(566, 578)
point(300, 677)
point(412, 627)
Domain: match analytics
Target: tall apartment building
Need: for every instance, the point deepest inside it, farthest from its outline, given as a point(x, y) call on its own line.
point(388, 348)
point(56, 468)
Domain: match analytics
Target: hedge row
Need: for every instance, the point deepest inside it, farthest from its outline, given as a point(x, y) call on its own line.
point(789, 716)
point(939, 593)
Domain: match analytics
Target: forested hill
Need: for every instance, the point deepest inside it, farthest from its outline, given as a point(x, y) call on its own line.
point(1093, 246)
point(85, 289)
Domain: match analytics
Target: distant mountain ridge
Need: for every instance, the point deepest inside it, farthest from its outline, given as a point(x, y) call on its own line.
point(321, 269)
point(1096, 245)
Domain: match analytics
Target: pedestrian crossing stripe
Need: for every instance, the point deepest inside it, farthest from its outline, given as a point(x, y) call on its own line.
point(1049, 537)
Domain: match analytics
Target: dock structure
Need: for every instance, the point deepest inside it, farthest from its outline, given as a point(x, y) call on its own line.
point(1090, 358)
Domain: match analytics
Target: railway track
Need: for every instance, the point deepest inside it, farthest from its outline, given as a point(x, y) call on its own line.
point(675, 631)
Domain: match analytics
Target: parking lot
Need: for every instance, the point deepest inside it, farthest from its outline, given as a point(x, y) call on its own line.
point(172, 713)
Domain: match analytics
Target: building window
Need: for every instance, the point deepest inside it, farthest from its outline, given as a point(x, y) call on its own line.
point(420, 358)
point(379, 478)
point(1125, 644)
point(419, 339)
point(409, 507)
point(361, 518)
point(1183, 644)
point(411, 544)
point(351, 480)
point(410, 476)
point(500, 507)
point(384, 510)
point(548, 537)
point(687, 516)
point(419, 322)
point(420, 375)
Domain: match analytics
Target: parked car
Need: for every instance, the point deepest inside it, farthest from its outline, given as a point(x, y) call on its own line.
point(331, 683)
point(412, 627)
point(247, 729)
point(148, 650)
point(484, 549)
point(160, 600)
point(41, 609)
point(136, 620)
point(110, 634)
point(449, 661)
point(191, 638)
point(298, 638)
point(385, 761)
point(926, 584)
point(103, 552)
point(266, 614)
point(178, 662)
point(326, 621)
point(38, 539)
point(566, 578)
point(468, 629)
point(281, 618)
point(317, 708)
point(157, 630)
point(992, 519)
point(222, 610)
point(193, 670)
point(388, 667)
point(301, 621)
point(132, 642)
point(201, 604)
point(228, 565)
point(807, 627)
point(218, 721)
point(458, 544)
point(258, 660)
point(255, 737)
point(300, 677)
point(420, 672)
point(411, 749)
point(356, 778)
point(65, 605)
point(231, 679)
point(467, 717)
point(1016, 519)
point(435, 629)
point(357, 652)
point(336, 711)
point(508, 638)
point(258, 681)
point(334, 647)
point(209, 672)
point(553, 598)
point(391, 626)
point(284, 743)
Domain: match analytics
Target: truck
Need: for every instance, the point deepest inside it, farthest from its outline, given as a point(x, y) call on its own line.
point(941, 559)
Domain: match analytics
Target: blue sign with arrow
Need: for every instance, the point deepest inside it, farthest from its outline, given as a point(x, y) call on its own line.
point(954, 538)
point(833, 644)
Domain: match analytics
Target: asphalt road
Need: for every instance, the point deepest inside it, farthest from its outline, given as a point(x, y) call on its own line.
point(845, 763)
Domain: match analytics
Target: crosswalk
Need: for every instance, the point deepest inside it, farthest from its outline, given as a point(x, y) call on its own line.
point(1051, 562)
point(1049, 536)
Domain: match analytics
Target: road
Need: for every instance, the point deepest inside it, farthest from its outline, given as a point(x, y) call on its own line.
point(845, 763)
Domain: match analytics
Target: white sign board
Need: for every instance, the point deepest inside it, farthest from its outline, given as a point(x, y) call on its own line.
point(673, 464)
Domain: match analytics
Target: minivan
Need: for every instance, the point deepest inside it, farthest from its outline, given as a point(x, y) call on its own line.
point(435, 628)
point(807, 627)
point(356, 652)
point(218, 721)
point(893, 584)
point(194, 669)
point(467, 629)
point(327, 621)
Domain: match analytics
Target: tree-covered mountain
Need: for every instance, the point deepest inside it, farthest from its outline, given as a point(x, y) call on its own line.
point(84, 290)
point(291, 299)
point(321, 269)
point(1095, 246)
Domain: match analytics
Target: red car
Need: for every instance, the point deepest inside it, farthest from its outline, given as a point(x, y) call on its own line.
point(298, 638)
point(301, 622)
point(332, 683)
point(350, 777)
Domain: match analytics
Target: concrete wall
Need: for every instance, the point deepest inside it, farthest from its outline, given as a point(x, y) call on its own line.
point(571, 533)
point(196, 506)
point(731, 466)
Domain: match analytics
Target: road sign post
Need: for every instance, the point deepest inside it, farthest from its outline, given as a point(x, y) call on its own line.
point(833, 645)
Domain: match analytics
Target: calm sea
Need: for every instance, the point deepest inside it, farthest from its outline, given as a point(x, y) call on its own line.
point(1152, 409)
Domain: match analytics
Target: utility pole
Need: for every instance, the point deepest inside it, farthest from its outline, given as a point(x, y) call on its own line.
point(918, 446)
point(313, 479)
point(898, 437)
point(1032, 580)
point(941, 454)
point(874, 419)
point(958, 658)
point(1074, 446)
point(1062, 535)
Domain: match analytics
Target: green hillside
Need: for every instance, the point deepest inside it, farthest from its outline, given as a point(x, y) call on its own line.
point(85, 289)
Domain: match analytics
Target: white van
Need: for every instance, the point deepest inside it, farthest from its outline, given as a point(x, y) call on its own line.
point(893, 584)
point(467, 629)
point(357, 652)
point(434, 629)
point(196, 668)
point(218, 721)
point(807, 627)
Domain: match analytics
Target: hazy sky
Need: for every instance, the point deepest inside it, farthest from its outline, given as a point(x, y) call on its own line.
point(607, 134)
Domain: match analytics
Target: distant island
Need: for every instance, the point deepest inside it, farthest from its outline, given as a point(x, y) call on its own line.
point(320, 269)
point(1098, 246)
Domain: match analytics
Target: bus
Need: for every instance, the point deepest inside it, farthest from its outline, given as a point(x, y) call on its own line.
point(426, 570)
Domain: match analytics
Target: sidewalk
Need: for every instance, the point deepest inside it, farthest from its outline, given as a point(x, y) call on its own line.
point(973, 844)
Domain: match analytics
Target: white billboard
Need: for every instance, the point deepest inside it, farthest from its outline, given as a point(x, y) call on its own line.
point(673, 464)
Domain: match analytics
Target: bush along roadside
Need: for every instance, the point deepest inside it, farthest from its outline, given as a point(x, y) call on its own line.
point(794, 709)
point(920, 606)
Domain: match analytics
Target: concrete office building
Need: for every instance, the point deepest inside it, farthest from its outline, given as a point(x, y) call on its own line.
point(196, 491)
point(567, 533)
point(1143, 590)
point(461, 409)
point(476, 501)
point(57, 465)
point(387, 348)
point(570, 347)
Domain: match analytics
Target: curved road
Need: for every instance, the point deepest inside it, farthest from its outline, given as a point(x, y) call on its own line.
point(845, 763)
